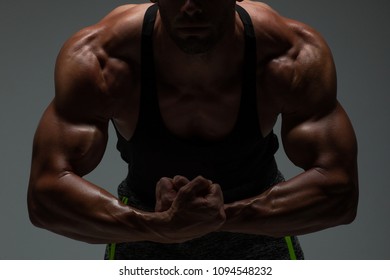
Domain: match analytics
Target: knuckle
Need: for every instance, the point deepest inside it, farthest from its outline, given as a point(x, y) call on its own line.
point(164, 182)
point(200, 179)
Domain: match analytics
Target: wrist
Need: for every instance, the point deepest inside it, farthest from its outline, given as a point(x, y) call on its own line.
point(242, 216)
point(158, 226)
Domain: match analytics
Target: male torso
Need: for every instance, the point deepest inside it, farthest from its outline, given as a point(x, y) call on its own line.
point(190, 87)
point(98, 79)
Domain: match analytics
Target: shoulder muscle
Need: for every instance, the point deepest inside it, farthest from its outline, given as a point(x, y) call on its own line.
point(78, 73)
point(313, 76)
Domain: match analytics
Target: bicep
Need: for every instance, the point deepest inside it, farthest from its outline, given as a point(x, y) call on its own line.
point(327, 142)
point(72, 133)
point(316, 131)
point(61, 145)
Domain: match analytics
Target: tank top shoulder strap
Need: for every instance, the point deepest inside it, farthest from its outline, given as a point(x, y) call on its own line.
point(149, 20)
point(247, 121)
point(148, 102)
point(147, 78)
point(147, 39)
point(248, 116)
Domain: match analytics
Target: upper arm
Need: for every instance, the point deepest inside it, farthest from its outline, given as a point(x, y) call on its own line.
point(95, 73)
point(72, 134)
point(316, 131)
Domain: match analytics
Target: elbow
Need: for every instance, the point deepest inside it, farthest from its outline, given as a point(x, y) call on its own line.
point(342, 192)
point(350, 213)
point(348, 203)
point(34, 212)
point(349, 216)
point(35, 220)
point(37, 206)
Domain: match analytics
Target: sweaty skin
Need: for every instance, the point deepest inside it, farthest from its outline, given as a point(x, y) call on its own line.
point(97, 79)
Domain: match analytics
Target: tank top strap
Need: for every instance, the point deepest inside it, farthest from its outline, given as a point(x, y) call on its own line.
point(247, 121)
point(149, 109)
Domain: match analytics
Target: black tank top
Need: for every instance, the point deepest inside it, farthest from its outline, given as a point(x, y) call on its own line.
point(243, 163)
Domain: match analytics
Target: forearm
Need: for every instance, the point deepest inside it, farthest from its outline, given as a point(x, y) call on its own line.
point(309, 202)
point(76, 208)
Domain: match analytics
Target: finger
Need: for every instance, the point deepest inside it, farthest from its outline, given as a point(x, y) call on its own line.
point(199, 187)
point(215, 190)
point(180, 181)
point(158, 207)
point(164, 202)
point(165, 181)
point(215, 198)
point(162, 185)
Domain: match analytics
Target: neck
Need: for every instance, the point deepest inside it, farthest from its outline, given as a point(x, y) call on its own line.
point(166, 48)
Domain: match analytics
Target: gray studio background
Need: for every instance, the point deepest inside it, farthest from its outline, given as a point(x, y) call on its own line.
point(31, 34)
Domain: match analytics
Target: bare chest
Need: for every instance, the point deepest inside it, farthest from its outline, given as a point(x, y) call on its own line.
point(201, 111)
point(197, 110)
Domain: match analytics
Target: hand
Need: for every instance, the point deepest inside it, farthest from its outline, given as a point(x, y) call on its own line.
point(197, 209)
point(166, 191)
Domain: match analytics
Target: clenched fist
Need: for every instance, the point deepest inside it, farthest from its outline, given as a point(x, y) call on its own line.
point(166, 191)
point(194, 208)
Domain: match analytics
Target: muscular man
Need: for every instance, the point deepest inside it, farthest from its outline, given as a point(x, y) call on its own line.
point(194, 88)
